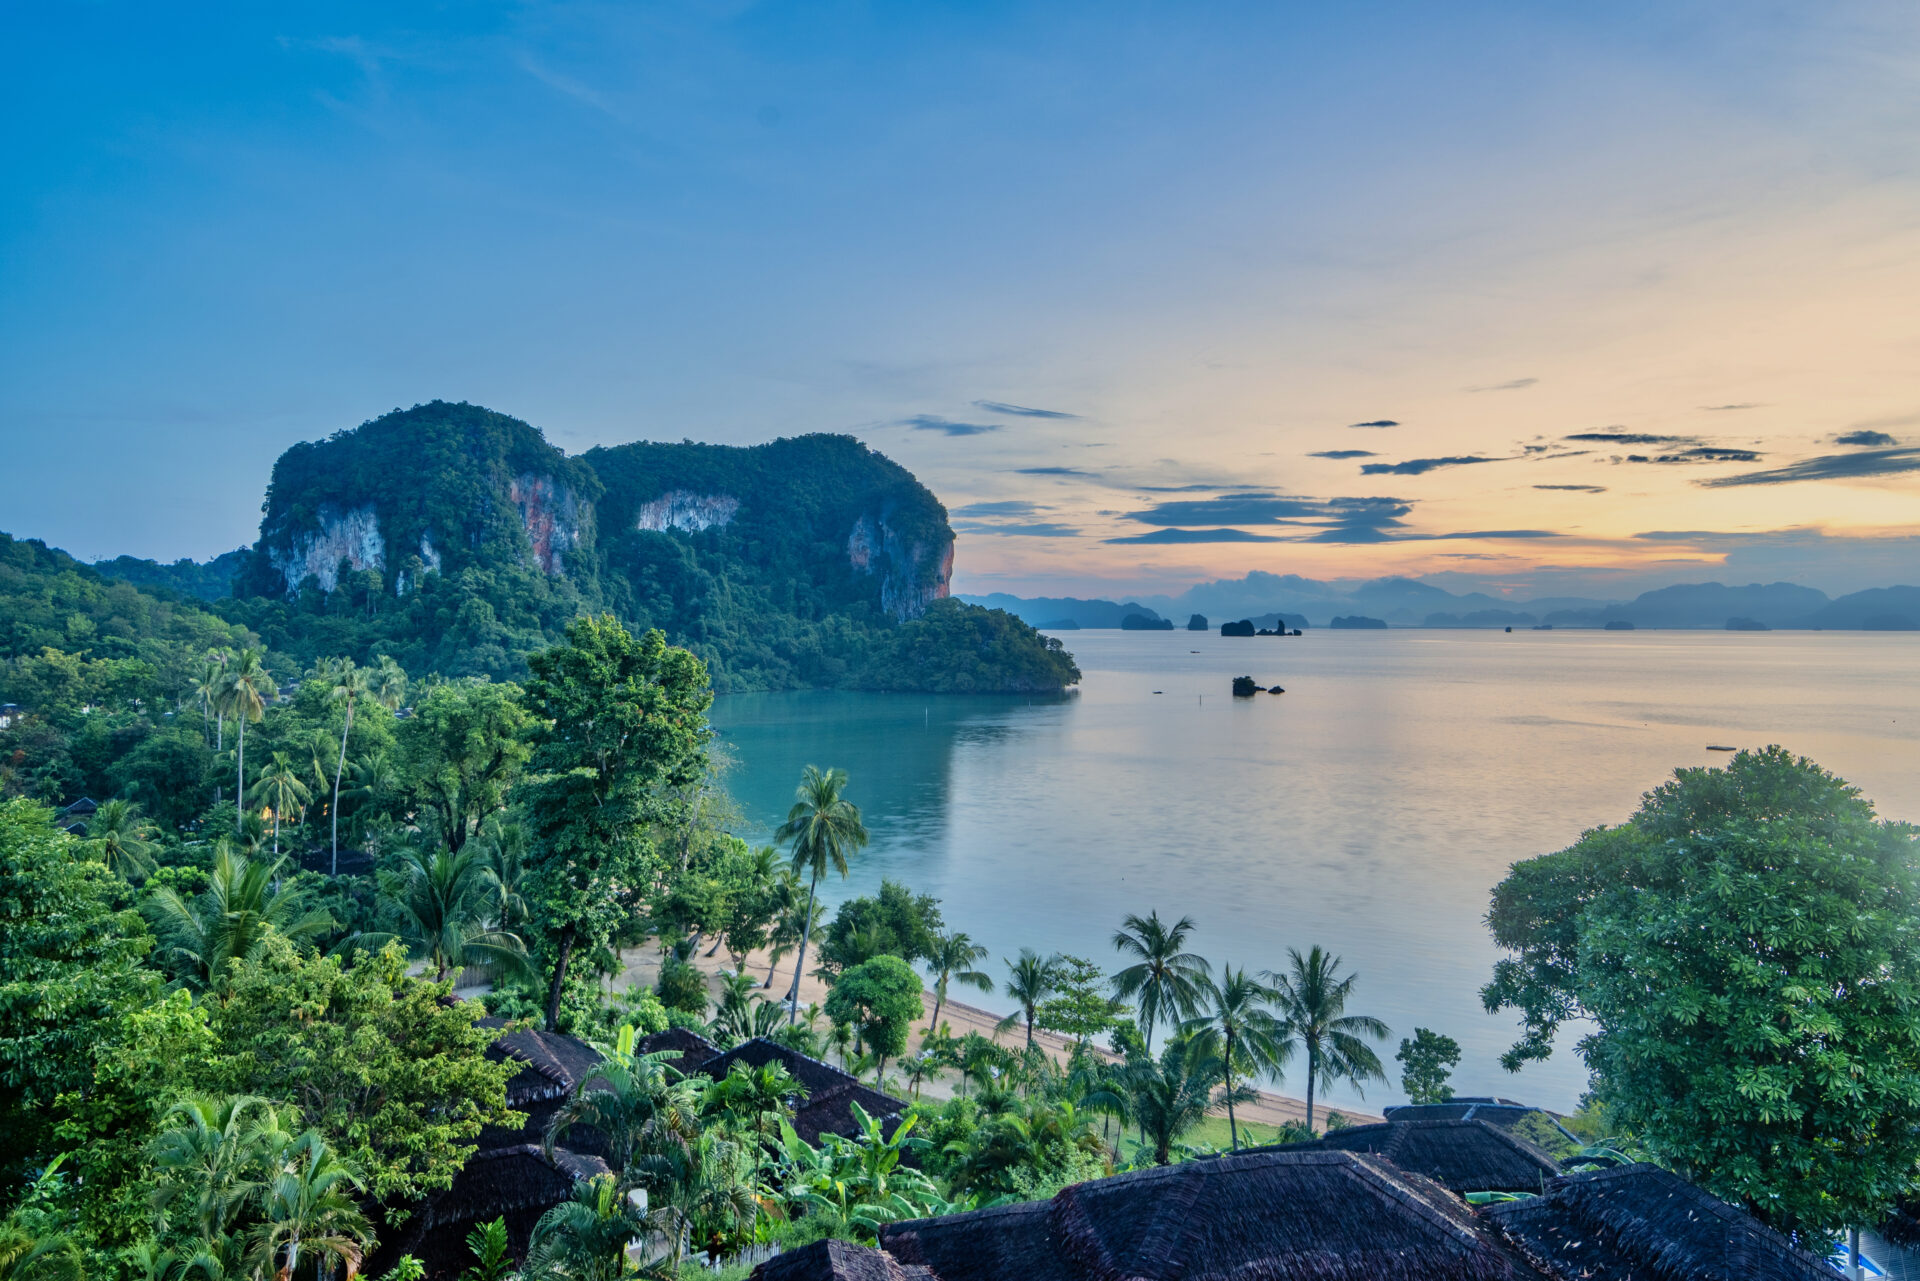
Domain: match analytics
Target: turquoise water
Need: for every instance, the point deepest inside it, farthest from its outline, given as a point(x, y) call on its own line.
point(1369, 809)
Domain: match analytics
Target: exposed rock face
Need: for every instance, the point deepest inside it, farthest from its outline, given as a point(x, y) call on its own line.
point(352, 536)
point(553, 516)
point(913, 575)
point(687, 511)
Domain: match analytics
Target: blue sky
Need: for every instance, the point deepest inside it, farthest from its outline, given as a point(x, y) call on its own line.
point(1207, 240)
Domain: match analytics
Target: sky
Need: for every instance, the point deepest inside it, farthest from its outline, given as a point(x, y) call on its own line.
point(1527, 297)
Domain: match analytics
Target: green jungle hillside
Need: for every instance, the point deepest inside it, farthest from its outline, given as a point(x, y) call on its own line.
point(457, 541)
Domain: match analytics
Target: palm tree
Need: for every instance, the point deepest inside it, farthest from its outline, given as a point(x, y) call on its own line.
point(243, 903)
point(117, 836)
point(347, 685)
point(823, 827)
point(279, 791)
point(1235, 1010)
point(444, 906)
point(584, 1239)
point(387, 683)
point(373, 780)
point(502, 844)
point(308, 1204)
point(208, 693)
point(1312, 1004)
point(788, 930)
point(1030, 981)
point(27, 1253)
point(209, 1157)
point(953, 957)
point(637, 1112)
point(241, 696)
point(1170, 1096)
point(1163, 981)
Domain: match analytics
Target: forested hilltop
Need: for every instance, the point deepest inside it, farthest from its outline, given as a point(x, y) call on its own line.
point(457, 540)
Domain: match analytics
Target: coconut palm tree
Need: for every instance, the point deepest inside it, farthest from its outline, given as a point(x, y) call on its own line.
point(308, 1206)
point(502, 845)
point(444, 907)
point(387, 683)
point(279, 791)
point(952, 959)
point(208, 693)
point(1030, 981)
point(1236, 1010)
point(117, 836)
point(243, 689)
point(1171, 1095)
point(1313, 1003)
point(1164, 981)
point(347, 685)
point(823, 827)
point(374, 781)
point(209, 1158)
point(243, 903)
point(633, 1106)
point(788, 931)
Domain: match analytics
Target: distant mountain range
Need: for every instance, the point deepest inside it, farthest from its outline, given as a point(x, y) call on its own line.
point(1408, 602)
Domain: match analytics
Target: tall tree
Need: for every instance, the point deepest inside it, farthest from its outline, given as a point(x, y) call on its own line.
point(1031, 979)
point(1170, 1095)
point(308, 1205)
point(823, 827)
point(243, 695)
point(620, 720)
point(1236, 1009)
point(465, 745)
point(1313, 1003)
point(279, 791)
point(209, 1158)
point(1747, 948)
point(953, 959)
point(346, 685)
point(1164, 979)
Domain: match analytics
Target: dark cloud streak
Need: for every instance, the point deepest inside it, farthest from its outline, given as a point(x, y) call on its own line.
point(1873, 462)
point(1020, 411)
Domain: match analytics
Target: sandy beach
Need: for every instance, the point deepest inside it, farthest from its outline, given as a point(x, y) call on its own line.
point(642, 965)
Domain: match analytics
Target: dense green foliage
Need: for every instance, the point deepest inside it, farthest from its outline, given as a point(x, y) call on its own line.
point(895, 922)
point(1426, 1060)
point(1748, 947)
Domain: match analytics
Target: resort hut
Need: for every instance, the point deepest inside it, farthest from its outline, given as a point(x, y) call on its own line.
point(692, 1048)
point(836, 1260)
point(1462, 1156)
point(516, 1183)
point(1537, 1125)
point(1321, 1215)
point(1639, 1221)
point(552, 1065)
point(831, 1093)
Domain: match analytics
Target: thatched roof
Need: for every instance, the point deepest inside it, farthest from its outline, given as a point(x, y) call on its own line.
point(1465, 1156)
point(833, 1260)
point(1641, 1222)
point(555, 1063)
point(831, 1093)
point(1310, 1215)
point(692, 1048)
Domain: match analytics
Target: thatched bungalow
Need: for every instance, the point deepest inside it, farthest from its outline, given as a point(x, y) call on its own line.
point(838, 1261)
point(1462, 1156)
point(1538, 1125)
point(552, 1065)
point(692, 1048)
point(1315, 1215)
point(1642, 1223)
point(516, 1182)
point(831, 1093)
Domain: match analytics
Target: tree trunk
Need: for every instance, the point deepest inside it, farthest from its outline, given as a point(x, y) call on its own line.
point(240, 779)
point(219, 745)
point(338, 770)
point(939, 995)
point(1313, 1070)
point(559, 978)
point(1233, 1130)
point(800, 966)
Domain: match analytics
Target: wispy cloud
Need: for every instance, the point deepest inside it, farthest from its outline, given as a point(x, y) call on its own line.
point(1865, 438)
point(1199, 536)
point(1517, 384)
point(933, 422)
point(1716, 409)
point(1378, 422)
point(1421, 466)
point(1029, 529)
point(1342, 453)
point(1378, 535)
point(1020, 411)
point(1872, 462)
point(1052, 471)
point(1577, 489)
point(1629, 438)
point(1004, 507)
point(1698, 454)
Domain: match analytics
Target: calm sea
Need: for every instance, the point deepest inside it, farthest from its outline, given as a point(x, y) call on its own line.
point(1368, 809)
